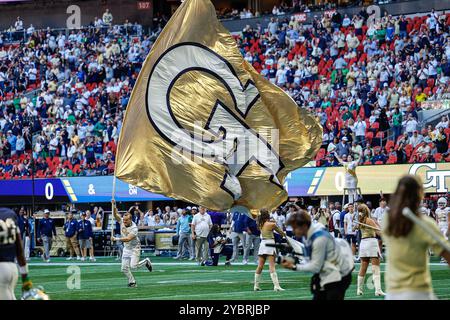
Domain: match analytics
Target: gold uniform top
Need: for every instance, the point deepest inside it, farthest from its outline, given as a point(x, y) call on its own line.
point(268, 228)
point(407, 267)
point(367, 232)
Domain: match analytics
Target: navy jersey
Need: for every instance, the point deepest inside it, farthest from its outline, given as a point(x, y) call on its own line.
point(8, 234)
point(251, 224)
point(239, 222)
point(70, 228)
point(47, 227)
point(85, 230)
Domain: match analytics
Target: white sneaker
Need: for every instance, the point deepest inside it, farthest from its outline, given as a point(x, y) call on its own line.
point(48, 260)
point(277, 289)
point(359, 292)
point(379, 293)
point(256, 288)
point(69, 258)
point(78, 258)
point(92, 259)
point(82, 259)
point(244, 262)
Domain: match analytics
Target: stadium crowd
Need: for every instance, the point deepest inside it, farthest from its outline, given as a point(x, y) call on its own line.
point(63, 96)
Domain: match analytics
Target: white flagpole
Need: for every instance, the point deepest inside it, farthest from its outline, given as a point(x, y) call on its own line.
point(366, 225)
point(407, 212)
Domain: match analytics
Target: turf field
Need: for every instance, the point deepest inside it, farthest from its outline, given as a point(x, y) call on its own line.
point(186, 280)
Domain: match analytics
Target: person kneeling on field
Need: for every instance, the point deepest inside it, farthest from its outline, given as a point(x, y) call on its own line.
point(131, 245)
point(329, 259)
point(217, 246)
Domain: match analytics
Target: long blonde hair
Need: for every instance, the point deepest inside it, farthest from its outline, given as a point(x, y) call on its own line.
point(264, 216)
point(364, 213)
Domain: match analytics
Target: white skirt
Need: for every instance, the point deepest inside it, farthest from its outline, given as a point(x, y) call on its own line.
point(368, 248)
point(410, 295)
point(265, 250)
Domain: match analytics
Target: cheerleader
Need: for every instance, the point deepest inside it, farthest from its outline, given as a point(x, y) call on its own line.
point(368, 250)
point(351, 180)
point(267, 227)
point(407, 270)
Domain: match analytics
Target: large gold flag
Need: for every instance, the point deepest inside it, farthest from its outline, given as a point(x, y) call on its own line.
point(203, 126)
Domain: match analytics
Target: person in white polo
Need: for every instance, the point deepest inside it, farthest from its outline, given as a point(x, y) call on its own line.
point(201, 225)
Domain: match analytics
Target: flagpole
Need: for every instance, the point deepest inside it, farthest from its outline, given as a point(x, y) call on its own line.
point(407, 212)
point(367, 225)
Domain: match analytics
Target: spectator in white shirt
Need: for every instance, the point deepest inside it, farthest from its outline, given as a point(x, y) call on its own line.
point(201, 225)
point(415, 139)
point(410, 125)
point(443, 123)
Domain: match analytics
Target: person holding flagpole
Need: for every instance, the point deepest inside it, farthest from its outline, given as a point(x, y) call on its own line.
point(407, 243)
point(267, 227)
point(132, 245)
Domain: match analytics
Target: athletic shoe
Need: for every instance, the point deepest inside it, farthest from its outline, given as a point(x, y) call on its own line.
point(191, 258)
point(148, 265)
point(202, 264)
point(82, 259)
point(48, 260)
point(176, 258)
point(227, 263)
point(92, 259)
point(78, 258)
point(277, 289)
point(379, 293)
point(132, 285)
point(69, 258)
point(244, 262)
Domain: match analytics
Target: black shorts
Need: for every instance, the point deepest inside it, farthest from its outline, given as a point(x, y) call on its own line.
point(351, 238)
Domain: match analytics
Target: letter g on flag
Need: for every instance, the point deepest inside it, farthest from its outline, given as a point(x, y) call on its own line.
point(236, 144)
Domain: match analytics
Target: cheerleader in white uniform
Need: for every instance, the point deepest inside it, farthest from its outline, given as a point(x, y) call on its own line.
point(351, 180)
point(267, 227)
point(369, 251)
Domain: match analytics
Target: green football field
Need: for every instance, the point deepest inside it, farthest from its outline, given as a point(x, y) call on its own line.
point(186, 280)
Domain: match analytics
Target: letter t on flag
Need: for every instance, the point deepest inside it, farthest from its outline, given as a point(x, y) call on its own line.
point(204, 127)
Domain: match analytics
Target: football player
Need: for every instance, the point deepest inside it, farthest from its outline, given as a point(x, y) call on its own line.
point(11, 250)
point(442, 215)
point(132, 245)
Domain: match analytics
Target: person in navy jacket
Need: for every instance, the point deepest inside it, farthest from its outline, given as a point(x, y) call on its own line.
point(237, 233)
point(70, 232)
point(253, 238)
point(46, 232)
point(85, 235)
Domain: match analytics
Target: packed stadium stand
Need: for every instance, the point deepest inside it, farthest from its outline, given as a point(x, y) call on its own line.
point(63, 93)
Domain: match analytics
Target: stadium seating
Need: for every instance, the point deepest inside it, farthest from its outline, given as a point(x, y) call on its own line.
point(70, 115)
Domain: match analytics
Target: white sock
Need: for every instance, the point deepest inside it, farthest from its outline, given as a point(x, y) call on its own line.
point(376, 278)
point(257, 280)
point(274, 277)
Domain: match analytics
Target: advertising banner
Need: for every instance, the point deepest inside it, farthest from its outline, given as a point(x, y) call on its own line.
point(304, 182)
point(371, 179)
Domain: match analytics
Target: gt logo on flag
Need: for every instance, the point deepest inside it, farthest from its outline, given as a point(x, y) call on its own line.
point(233, 143)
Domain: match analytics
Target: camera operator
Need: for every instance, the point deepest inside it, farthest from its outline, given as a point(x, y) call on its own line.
point(332, 272)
